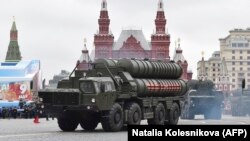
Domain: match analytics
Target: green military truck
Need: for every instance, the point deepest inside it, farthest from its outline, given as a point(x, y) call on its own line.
point(240, 101)
point(202, 99)
point(117, 93)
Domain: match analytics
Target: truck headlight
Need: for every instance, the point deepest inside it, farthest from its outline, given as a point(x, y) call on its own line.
point(42, 106)
point(41, 99)
point(88, 107)
point(93, 100)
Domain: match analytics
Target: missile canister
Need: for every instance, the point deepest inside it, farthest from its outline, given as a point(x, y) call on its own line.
point(160, 87)
point(150, 69)
point(107, 62)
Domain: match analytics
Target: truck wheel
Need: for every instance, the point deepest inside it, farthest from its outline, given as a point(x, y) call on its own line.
point(159, 115)
point(134, 114)
point(67, 124)
point(174, 114)
point(89, 124)
point(113, 120)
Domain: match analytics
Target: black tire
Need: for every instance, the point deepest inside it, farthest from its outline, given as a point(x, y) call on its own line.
point(113, 119)
point(67, 124)
point(174, 114)
point(89, 125)
point(159, 115)
point(134, 114)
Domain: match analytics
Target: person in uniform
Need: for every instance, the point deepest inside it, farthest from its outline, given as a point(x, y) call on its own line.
point(26, 112)
point(4, 112)
point(14, 112)
point(9, 112)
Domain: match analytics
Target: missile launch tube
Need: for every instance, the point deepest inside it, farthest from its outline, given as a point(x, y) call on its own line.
point(161, 87)
point(150, 69)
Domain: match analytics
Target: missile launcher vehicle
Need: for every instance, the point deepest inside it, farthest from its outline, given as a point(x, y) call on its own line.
point(117, 93)
point(202, 99)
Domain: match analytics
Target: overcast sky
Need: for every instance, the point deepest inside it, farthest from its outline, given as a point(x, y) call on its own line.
point(53, 30)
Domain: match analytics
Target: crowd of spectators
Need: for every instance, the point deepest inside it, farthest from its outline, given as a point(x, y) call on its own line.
point(17, 112)
point(23, 110)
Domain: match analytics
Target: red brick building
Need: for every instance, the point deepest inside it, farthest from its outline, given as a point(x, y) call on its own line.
point(132, 43)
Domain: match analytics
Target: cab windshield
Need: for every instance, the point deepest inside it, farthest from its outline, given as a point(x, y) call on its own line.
point(87, 87)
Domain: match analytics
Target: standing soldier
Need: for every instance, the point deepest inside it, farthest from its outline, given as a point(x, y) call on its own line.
point(33, 111)
point(26, 112)
point(37, 113)
point(30, 111)
point(14, 112)
point(21, 103)
point(4, 112)
point(9, 112)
